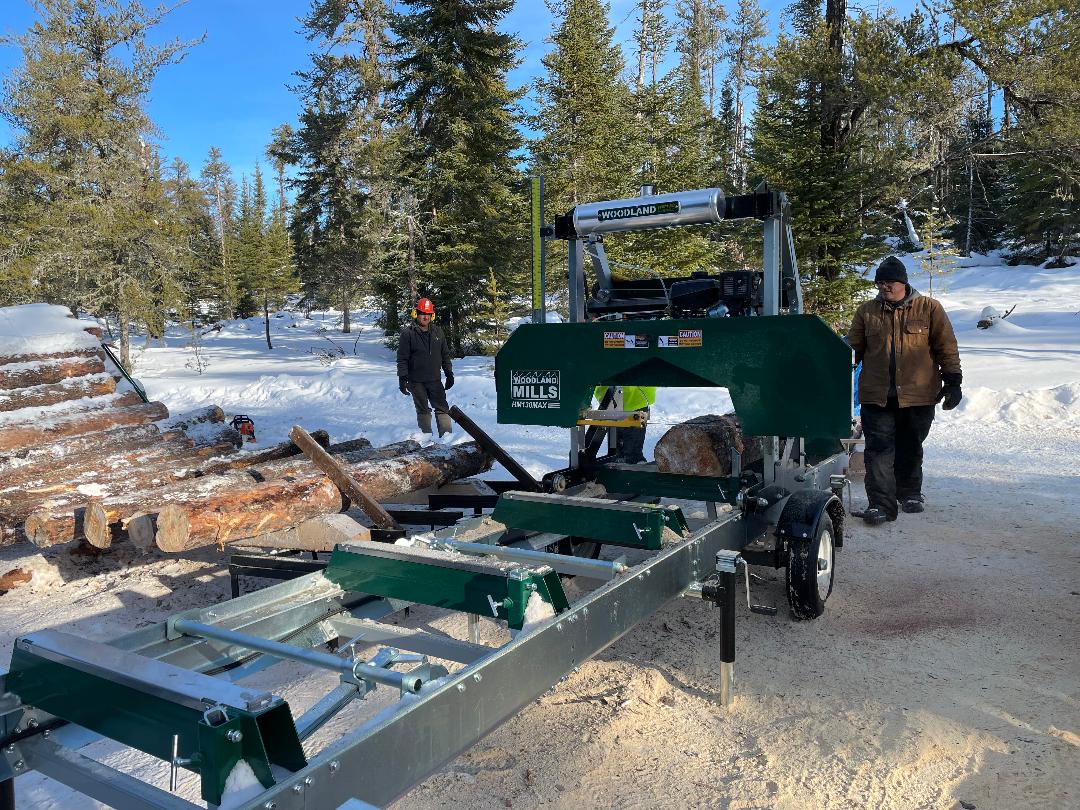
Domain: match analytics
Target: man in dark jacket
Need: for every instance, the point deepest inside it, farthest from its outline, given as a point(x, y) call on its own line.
point(422, 354)
point(910, 362)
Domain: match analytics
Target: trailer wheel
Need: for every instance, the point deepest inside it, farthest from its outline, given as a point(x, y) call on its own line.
point(810, 567)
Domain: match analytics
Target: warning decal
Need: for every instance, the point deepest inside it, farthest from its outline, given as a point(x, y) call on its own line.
point(686, 339)
point(621, 340)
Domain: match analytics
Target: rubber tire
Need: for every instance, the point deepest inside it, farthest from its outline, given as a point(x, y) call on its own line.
point(802, 586)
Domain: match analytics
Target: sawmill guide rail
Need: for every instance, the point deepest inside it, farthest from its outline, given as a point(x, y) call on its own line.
point(176, 690)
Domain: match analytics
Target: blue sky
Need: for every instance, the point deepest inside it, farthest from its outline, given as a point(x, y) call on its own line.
point(232, 90)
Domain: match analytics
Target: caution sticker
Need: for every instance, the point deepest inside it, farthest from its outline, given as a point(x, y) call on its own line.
point(686, 339)
point(621, 340)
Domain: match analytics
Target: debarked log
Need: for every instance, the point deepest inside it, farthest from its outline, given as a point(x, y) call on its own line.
point(703, 445)
point(281, 503)
point(115, 411)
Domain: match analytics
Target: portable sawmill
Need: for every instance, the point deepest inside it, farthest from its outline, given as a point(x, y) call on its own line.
point(177, 692)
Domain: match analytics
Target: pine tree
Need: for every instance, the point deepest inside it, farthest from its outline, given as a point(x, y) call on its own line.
point(99, 237)
point(460, 152)
point(250, 247)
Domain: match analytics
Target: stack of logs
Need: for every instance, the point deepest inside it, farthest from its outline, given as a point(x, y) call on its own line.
point(81, 462)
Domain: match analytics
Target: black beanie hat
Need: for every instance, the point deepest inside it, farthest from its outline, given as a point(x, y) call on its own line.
point(892, 269)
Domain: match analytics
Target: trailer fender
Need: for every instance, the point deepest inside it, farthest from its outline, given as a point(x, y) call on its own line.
point(802, 514)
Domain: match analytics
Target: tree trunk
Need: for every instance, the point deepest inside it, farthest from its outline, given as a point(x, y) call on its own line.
point(703, 445)
point(185, 421)
point(971, 205)
point(225, 517)
point(83, 354)
point(47, 372)
point(412, 257)
point(70, 453)
point(115, 412)
point(266, 320)
point(125, 341)
point(40, 396)
point(63, 522)
point(126, 463)
point(284, 450)
point(346, 304)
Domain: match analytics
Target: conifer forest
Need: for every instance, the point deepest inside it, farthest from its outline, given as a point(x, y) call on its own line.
point(953, 129)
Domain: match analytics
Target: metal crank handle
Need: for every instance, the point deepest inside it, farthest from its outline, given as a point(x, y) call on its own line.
point(764, 610)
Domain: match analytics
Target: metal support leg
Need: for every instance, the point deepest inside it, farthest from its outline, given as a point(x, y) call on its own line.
point(474, 628)
point(726, 603)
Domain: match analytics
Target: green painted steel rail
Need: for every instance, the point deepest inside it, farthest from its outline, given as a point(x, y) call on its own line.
point(634, 525)
point(445, 579)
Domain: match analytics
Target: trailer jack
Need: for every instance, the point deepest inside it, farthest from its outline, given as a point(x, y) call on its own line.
point(720, 590)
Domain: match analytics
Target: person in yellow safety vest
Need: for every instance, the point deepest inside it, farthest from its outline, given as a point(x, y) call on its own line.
point(629, 442)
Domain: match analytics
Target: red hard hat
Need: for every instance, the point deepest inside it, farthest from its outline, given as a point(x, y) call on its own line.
point(424, 305)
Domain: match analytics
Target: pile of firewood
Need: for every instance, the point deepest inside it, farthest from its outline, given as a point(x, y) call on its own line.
point(80, 462)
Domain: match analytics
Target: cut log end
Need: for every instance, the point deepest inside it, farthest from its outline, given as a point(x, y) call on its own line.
point(173, 529)
point(96, 525)
point(703, 446)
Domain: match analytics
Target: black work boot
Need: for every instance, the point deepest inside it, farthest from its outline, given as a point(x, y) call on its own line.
point(913, 505)
point(874, 516)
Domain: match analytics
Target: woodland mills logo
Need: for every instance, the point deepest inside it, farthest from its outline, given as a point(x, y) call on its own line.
point(534, 389)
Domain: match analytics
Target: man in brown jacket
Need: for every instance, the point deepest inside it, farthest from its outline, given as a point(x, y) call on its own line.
point(910, 362)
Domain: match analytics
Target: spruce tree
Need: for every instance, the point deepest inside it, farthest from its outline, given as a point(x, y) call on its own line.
point(836, 128)
point(99, 236)
point(341, 227)
point(460, 151)
point(743, 41)
point(198, 251)
point(220, 189)
point(586, 113)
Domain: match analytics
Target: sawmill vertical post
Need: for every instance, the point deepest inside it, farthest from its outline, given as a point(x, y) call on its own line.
point(576, 273)
point(771, 306)
point(539, 253)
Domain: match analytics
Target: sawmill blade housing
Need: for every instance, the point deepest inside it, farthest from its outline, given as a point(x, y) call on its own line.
point(175, 690)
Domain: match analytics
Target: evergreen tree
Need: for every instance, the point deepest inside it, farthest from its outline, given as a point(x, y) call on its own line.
point(198, 250)
point(1027, 49)
point(250, 247)
point(586, 114)
point(975, 202)
point(96, 222)
point(220, 189)
point(460, 151)
point(700, 38)
point(743, 40)
point(835, 128)
point(341, 225)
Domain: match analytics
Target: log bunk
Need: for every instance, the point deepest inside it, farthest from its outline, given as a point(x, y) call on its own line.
point(86, 463)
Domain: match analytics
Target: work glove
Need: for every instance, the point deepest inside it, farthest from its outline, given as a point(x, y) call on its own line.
point(950, 392)
point(449, 380)
point(403, 385)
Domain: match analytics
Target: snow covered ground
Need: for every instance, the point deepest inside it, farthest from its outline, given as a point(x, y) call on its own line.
point(1021, 377)
point(945, 669)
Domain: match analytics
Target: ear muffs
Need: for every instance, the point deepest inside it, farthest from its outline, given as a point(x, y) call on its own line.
point(414, 313)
